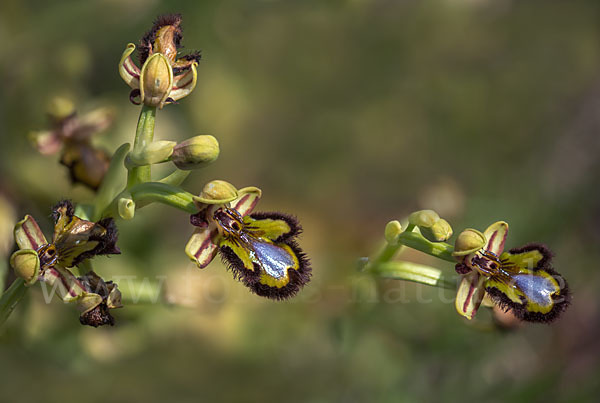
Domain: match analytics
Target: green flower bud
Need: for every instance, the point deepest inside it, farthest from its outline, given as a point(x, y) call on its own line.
point(196, 152)
point(156, 80)
point(468, 241)
point(26, 264)
point(439, 232)
point(153, 153)
point(423, 218)
point(60, 108)
point(217, 192)
point(392, 230)
point(126, 207)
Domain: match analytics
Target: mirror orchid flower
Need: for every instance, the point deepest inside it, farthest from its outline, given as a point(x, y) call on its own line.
point(75, 240)
point(259, 248)
point(521, 280)
point(163, 78)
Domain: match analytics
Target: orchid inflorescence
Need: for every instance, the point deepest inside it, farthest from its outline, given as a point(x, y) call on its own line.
point(521, 280)
point(259, 248)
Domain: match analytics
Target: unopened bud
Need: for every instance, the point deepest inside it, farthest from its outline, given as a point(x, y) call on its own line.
point(60, 108)
point(26, 264)
point(423, 218)
point(439, 232)
point(392, 230)
point(126, 207)
point(156, 80)
point(468, 241)
point(196, 152)
point(217, 192)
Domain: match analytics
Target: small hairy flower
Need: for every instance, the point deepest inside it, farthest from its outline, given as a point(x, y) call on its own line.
point(164, 77)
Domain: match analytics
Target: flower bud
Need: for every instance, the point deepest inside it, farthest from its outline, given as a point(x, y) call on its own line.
point(153, 153)
point(26, 264)
point(156, 80)
point(60, 108)
point(423, 218)
point(392, 230)
point(126, 207)
point(468, 241)
point(195, 152)
point(217, 192)
point(439, 232)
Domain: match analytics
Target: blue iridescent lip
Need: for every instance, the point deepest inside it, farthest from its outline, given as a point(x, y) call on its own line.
point(538, 289)
point(273, 259)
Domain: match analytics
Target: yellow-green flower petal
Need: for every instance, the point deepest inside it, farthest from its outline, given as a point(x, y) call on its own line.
point(28, 234)
point(247, 200)
point(185, 83)
point(470, 294)
point(200, 248)
point(130, 73)
point(495, 235)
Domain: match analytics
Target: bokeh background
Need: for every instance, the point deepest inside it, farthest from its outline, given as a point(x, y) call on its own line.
point(347, 114)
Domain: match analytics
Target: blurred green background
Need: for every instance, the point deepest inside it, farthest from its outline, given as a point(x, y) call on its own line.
point(347, 114)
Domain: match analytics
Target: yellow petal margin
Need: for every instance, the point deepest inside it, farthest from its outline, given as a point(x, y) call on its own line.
point(470, 294)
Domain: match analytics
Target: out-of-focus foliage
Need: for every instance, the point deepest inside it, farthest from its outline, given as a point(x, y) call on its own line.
point(347, 114)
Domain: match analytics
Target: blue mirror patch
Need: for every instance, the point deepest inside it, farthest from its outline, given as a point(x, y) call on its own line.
point(273, 259)
point(538, 289)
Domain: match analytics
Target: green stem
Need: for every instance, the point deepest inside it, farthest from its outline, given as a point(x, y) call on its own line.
point(3, 271)
point(146, 193)
point(11, 298)
point(112, 183)
point(414, 240)
point(176, 178)
point(173, 196)
point(414, 272)
point(389, 250)
point(143, 136)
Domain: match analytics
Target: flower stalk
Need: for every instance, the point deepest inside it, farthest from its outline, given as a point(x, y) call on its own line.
point(144, 135)
point(11, 298)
